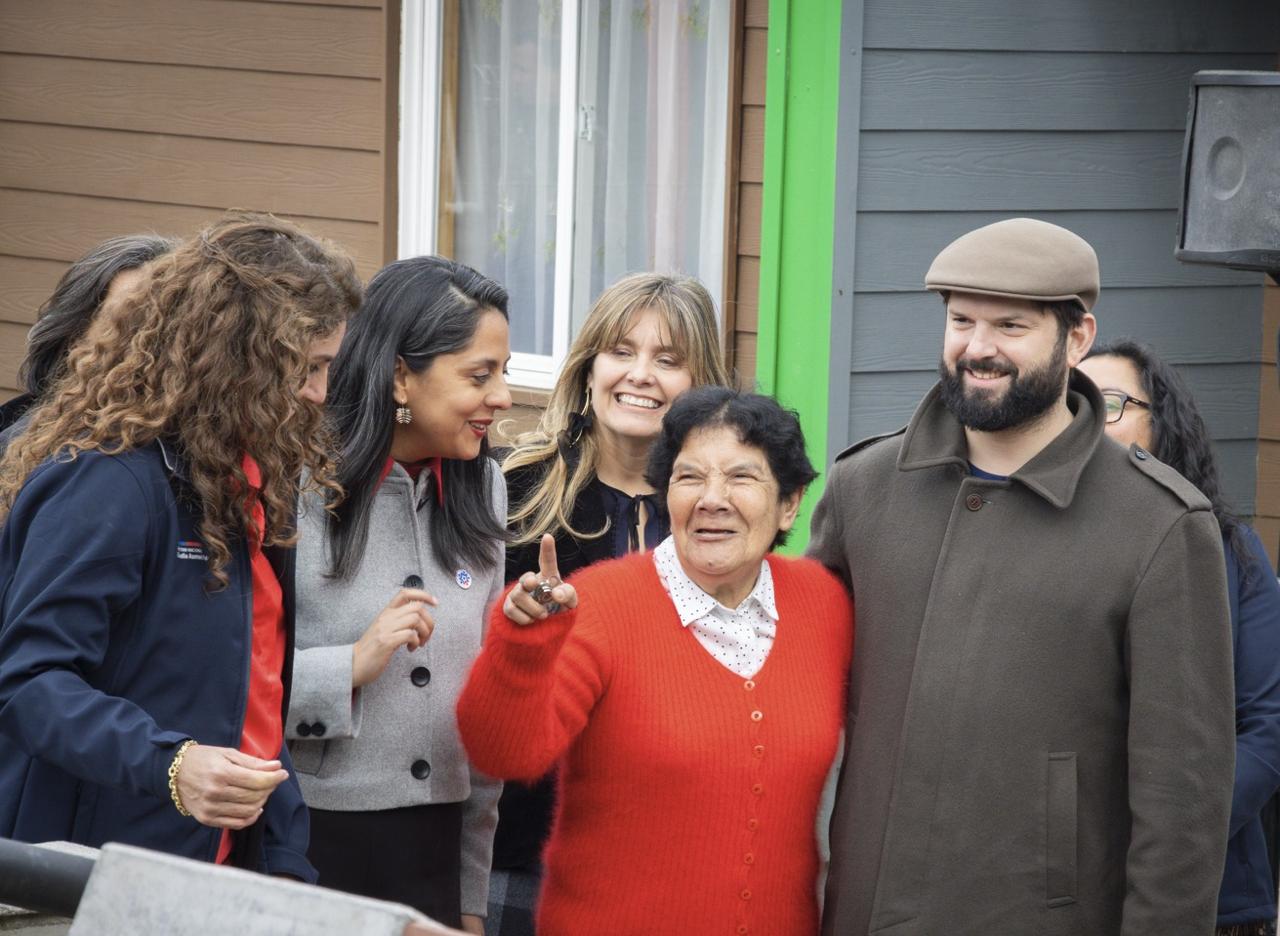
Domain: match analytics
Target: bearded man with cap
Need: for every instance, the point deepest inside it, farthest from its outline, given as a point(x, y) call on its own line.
point(1040, 723)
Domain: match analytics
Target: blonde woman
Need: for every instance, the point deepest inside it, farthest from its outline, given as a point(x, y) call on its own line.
point(580, 477)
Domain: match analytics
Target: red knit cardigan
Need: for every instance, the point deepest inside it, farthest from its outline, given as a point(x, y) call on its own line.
point(688, 795)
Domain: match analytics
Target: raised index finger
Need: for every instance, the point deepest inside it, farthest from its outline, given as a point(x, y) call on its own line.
point(548, 567)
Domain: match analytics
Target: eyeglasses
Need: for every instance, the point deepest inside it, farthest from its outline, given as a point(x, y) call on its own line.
point(1116, 400)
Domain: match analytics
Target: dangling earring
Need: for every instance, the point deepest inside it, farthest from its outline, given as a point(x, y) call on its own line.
point(571, 434)
point(581, 421)
point(403, 415)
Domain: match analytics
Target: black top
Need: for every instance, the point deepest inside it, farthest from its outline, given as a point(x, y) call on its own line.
point(525, 811)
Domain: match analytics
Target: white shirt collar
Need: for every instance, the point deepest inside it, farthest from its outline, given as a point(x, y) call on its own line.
point(692, 603)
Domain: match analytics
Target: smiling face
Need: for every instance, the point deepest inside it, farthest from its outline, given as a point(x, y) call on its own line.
point(1118, 374)
point(634, 382)
point(454, 399)
point(1005, 361)
point(725, 512)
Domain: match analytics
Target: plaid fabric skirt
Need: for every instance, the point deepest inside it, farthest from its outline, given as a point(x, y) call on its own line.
point(513, 898)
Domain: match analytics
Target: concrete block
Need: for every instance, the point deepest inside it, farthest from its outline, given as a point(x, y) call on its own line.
point(136, 892)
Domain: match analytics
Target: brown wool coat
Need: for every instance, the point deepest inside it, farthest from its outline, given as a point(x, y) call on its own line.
point(1041, 729)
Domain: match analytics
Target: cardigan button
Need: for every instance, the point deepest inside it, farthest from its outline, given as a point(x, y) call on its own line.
point(412, 581)
point(420, 770)
point(748, 858)
point(746, 894)
point(749, 685)
point(753, 824)
point(757, 715)
point(420, 676)
point(757, 788)
point(758, 750)
point(742, 930)
point(304, 730)
point(317, 729)
point(973, 501)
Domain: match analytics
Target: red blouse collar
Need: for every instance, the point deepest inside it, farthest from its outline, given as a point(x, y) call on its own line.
point(436, 466)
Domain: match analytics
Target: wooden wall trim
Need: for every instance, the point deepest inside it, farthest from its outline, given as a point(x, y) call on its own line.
point(733, 171)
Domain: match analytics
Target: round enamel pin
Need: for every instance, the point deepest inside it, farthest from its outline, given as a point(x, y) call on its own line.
point(463, 578)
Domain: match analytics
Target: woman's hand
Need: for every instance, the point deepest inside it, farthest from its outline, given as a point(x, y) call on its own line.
point(403, 623)
point(521, 607)
point(225, 788)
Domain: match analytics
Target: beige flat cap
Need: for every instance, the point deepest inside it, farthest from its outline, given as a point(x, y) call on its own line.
point(1021, 258)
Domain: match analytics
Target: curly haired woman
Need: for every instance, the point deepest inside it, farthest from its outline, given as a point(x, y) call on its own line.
point(146, 556)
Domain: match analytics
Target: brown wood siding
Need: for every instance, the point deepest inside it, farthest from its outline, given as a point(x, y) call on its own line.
point(118, 116)
point(1267, 507)
point(750, 147)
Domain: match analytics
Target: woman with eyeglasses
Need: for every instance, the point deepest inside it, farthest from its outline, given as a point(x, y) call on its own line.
point(1149, 405)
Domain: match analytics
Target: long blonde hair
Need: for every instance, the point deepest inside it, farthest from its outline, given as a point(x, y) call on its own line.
point(689, 319)
point(210, 354)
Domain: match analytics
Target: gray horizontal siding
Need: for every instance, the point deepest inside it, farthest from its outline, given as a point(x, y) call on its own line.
point(939, 90)
point(1135, 248)
point(1177, 26)
point(1019, 171)
point(972, 111)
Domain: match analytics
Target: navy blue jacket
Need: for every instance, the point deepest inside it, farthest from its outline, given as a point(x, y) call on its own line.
point(1248, 883)
point(112, 652)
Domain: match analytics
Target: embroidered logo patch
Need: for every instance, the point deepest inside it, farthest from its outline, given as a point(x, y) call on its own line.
point(463, 578)
point(192, 549)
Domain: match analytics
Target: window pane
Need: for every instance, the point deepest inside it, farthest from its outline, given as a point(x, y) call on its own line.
point(653, 96)
point(498, 192)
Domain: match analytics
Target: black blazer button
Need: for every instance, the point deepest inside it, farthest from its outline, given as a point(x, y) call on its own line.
point(420, 770)
point(420, 675)
point(304, 730)
point(317, 729)
point(412, 581)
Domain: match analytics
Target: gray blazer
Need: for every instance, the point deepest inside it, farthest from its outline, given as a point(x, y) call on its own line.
point(393, 742)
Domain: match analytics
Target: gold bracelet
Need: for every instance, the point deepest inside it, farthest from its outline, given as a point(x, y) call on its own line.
point(174, 767)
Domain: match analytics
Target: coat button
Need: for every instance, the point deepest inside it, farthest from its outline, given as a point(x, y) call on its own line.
point(412, 581)
point(304, 730)
point(420, 675)
point(317, 729)
point(1139, 454)
point(973, 501)
point(420, 770)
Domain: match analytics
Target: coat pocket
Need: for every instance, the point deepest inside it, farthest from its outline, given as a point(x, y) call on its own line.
point(1060, 830)
point(307, 756)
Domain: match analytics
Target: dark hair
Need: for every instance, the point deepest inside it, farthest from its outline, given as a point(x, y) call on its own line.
point(759, 422)
point(415, 310)
point(1068, 312)
point(66, 314)
point(1179, 436)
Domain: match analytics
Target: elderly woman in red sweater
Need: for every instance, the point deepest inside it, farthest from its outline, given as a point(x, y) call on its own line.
point(694, 695)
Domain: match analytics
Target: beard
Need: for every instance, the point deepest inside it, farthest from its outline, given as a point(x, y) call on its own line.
point(1028, 396)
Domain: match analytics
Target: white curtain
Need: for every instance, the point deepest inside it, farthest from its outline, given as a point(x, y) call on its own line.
point(504, 201)
point(651, 126)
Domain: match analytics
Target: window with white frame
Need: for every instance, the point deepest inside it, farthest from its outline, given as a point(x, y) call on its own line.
point(555, 145)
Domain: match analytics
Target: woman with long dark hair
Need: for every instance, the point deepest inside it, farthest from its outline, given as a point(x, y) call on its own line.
point(1148, 405)
point(146, 560)
point(393, 584)
point(107, 271)
point(580, 476)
